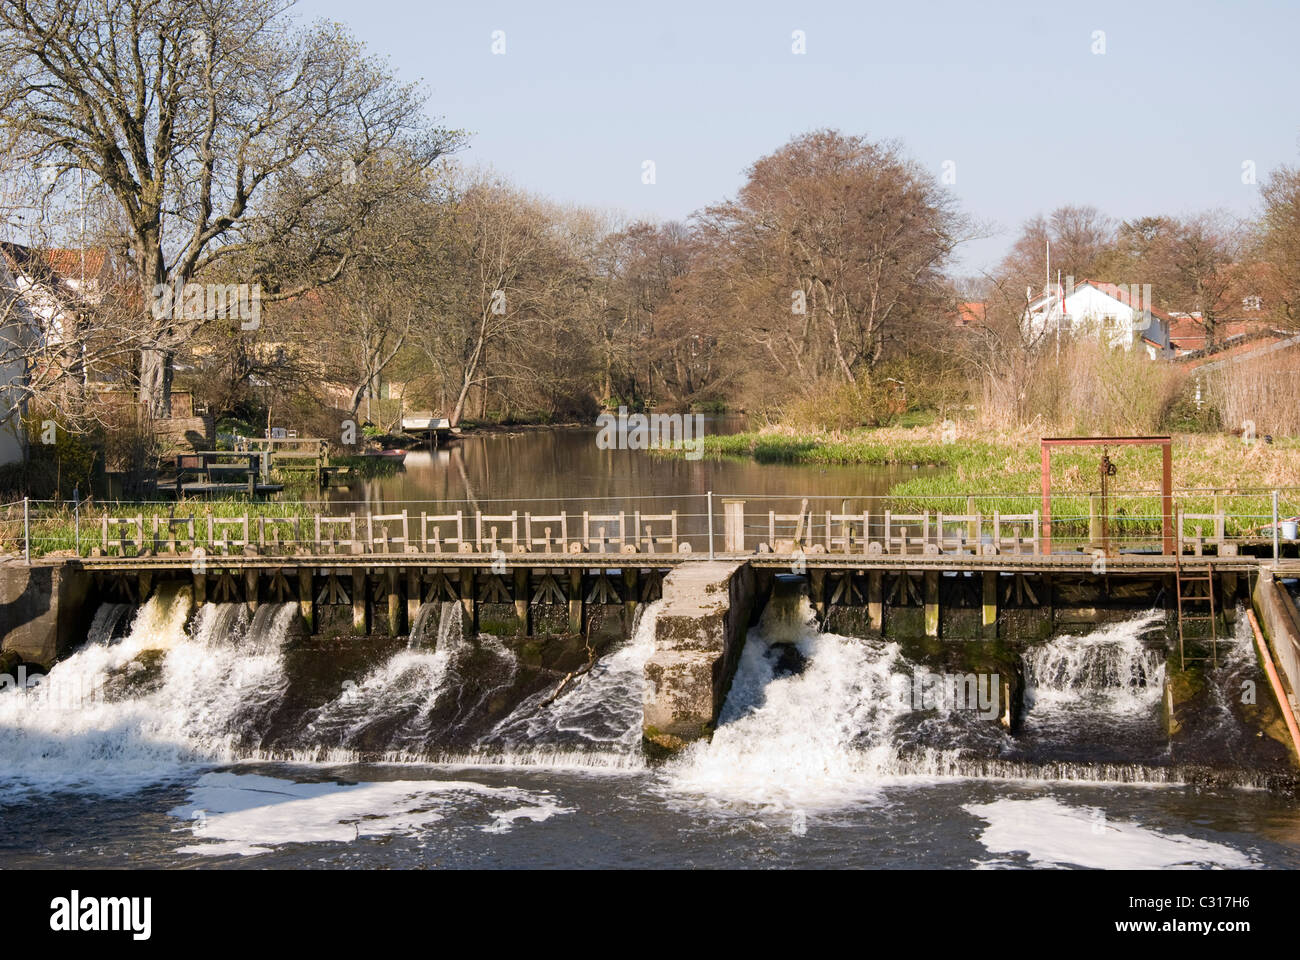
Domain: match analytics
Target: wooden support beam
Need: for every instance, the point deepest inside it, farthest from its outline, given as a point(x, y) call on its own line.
point(817, 587)
point(575, 600)
point(396, 609)
point(469, 600)
point(414, 594)
point(144, 584)
point(200, 589)
point(306, 598)
point(990, 619)
point(1228, 598)
point(876, 600)
point(932, 603)
point(523, 606)
point(632, 593)
point(251, 582)
point(360, 604)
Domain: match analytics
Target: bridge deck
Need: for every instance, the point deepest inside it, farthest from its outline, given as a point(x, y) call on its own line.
point(1009, 563)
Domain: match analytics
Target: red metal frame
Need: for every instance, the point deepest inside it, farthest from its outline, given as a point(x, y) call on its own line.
point(1166, 481)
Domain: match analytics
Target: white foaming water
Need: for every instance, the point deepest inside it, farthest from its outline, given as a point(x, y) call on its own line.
point(596, 719)
point(815, 740)
point(399, 697)
point(450, 618)
point(248, 814)
point(109, 619)
point(1052, 833)
point(112, 717)
point(408, 685)
point(1110, 669)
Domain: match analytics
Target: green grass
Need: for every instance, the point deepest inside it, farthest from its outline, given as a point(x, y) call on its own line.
point(1003, 474)
point(53, 528)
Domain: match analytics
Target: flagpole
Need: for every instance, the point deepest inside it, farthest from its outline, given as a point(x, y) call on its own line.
point(1060, 304)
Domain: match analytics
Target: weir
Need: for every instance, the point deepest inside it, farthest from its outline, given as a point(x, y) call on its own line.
point(970, 592)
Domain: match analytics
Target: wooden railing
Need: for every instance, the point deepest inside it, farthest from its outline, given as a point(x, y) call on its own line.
point(303, 529)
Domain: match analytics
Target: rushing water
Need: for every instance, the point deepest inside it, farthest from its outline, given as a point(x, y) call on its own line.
point(182, 737)
point(151, 749)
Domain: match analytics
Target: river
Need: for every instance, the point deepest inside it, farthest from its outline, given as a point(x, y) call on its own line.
point(218, 742)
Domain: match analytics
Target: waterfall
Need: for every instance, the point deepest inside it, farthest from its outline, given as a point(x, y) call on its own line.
point(110, 624)
point(113, 715)
point(819, 737)
point(1114, 664)
point(594, 721)
point(811, 719)
point(1097, 696)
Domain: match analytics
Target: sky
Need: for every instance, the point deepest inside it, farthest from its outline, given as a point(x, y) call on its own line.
point(1133, 107)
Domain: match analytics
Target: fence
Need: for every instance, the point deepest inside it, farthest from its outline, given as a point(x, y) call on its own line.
point(1215, 522)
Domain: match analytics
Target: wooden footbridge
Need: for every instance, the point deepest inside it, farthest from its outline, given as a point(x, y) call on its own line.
point(524, 554)
point(535, 569)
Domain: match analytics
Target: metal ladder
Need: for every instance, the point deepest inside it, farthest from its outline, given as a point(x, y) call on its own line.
point(1187, 598)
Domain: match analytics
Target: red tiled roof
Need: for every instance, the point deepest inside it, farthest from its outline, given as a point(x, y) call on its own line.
point(1263, 343)
point(970, 314)
point(67, 262)
point(1188, 333)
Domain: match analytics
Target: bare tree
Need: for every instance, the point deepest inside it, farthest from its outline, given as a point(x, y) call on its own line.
point(1279, 244)
point(189, 113)
point(831, 245)
point(505, 269)
point(1078, 236)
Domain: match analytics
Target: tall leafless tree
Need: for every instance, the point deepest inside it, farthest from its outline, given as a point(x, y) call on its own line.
point(191, 112)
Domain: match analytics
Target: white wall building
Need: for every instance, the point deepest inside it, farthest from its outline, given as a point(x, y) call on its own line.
point(17, 327)
point(1119, 316)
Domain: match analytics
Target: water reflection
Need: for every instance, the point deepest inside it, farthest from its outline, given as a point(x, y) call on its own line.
point(547, 471)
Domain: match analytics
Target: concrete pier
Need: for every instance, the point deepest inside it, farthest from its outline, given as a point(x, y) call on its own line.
point(43, 611)
point(698, 638)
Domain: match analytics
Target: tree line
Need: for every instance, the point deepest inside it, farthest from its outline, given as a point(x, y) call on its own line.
point(219, 142)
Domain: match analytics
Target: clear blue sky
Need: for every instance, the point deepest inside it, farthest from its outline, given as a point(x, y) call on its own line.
point(1012, 93)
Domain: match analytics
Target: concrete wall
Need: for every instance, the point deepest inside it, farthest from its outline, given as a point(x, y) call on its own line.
point(1281, 624)
point(698, 639)
point(43, 611)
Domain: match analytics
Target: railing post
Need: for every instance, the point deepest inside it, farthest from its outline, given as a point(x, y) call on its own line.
point(76, 518)
point(711, 522)
point(1275, 527)
point(27, 533)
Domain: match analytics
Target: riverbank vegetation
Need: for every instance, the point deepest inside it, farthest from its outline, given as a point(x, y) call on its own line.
point(361, 271)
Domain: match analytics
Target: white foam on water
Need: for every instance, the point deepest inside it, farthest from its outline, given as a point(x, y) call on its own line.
point(1111, 669)
point(1052, 833)
point(92, 730)
point(814, 740)
point(248, 814)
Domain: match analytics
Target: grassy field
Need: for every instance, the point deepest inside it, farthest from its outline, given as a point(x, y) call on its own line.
point(1002, 471)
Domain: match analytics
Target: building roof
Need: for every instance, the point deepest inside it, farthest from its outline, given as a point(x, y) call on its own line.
point(969, 314)
point(1112, 290)
point(67, 262)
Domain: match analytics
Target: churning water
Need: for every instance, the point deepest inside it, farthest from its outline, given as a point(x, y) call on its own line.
point(174, 737)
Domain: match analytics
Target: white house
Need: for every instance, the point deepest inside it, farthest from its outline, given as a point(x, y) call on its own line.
point(17, 327)
point(42, 293)
point(1120, 316)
